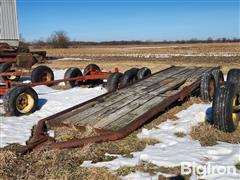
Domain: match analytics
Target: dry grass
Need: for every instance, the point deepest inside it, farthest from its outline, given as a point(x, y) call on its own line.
point(123, 64)
point(66, 133)
point(66, 164)
point(125, 57)
point(7, 162)
point(142, 49)
point(208, 135)
point(171, 112)
point(150, 168)
point(180, 134)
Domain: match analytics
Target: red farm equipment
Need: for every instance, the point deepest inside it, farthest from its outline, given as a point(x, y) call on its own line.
point(20, 98)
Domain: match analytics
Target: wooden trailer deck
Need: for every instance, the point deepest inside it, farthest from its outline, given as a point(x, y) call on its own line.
point(121, 112)
point(117, 110)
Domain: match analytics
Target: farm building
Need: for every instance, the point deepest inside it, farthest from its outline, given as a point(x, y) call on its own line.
point(9, 22)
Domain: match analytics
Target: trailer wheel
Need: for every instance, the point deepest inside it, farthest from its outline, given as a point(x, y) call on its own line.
point(207, 87)
point(71, 73)
point(20, 100)
point(129, 77)
point(234, 77)
point(6, 67)
point(225, 113)
point(114, 81)
point(95, 68)
point(42, 74)
point(144, 72)
point(87, 69)
point(218, 77)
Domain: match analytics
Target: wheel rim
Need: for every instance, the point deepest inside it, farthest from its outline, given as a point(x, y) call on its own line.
point(46, 76)
point(212, 88)
point(24, 103)
point(11, 77)
point(220, 80)
point(235, 115)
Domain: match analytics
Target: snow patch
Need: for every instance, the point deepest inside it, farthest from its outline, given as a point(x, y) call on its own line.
point(18, 129)
point(172, 150)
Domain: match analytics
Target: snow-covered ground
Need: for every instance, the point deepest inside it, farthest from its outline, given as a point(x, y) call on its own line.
point(18, 129)
point(172, 150)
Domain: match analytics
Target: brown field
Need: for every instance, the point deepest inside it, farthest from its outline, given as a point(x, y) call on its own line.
point(66, 164)
point(156, 57)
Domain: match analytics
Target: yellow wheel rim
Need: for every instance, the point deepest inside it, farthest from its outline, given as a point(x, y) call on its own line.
point(24, 103)
point(11, 77)
point(235, 115)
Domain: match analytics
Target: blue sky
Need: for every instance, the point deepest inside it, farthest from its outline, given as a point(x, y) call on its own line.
point(104, 20)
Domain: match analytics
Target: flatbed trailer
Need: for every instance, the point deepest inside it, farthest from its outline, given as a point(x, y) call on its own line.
point(115, 115)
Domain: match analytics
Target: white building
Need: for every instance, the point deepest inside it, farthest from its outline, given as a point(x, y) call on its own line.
point(9, 22)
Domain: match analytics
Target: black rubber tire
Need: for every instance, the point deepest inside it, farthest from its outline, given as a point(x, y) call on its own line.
point(143, 73)
point(39, 72)
point(223, 107)
point(207, 87)
point(218, 76)
point(71, 73)
point(10, 100)
point(5, 67)
point(129, 77)
point(95, 67)
point(234, 77)
point(114, 81)
point(86, 71)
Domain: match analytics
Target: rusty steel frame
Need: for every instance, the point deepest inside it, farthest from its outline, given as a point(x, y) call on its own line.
point(16, 73)
point(8, 59)
point(91, 76)
point(41, 140)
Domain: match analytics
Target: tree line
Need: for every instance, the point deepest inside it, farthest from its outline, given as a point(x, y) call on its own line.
point(60, 39)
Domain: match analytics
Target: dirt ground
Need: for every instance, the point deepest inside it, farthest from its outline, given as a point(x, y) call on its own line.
point(66, 164)
point(156, 57)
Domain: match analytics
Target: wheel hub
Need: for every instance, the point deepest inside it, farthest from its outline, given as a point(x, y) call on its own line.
point(235, 113)
point(212, 87)
point(24, 103)
point(46, 77)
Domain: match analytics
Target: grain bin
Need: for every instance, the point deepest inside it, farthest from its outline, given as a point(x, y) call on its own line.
point(9, 23)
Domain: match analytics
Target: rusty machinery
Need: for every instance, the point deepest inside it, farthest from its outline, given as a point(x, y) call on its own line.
point(21, 98)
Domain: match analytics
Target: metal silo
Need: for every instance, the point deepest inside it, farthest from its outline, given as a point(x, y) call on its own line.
point(9, 22)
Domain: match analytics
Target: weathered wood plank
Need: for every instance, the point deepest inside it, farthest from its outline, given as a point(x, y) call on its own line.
point(111, 105)
point(122, 94)
point(110, 117)
point(199, 74)
point(131, 116)
point(125, 100)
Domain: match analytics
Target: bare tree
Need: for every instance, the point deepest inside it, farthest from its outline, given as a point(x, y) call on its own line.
point(59, 39)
